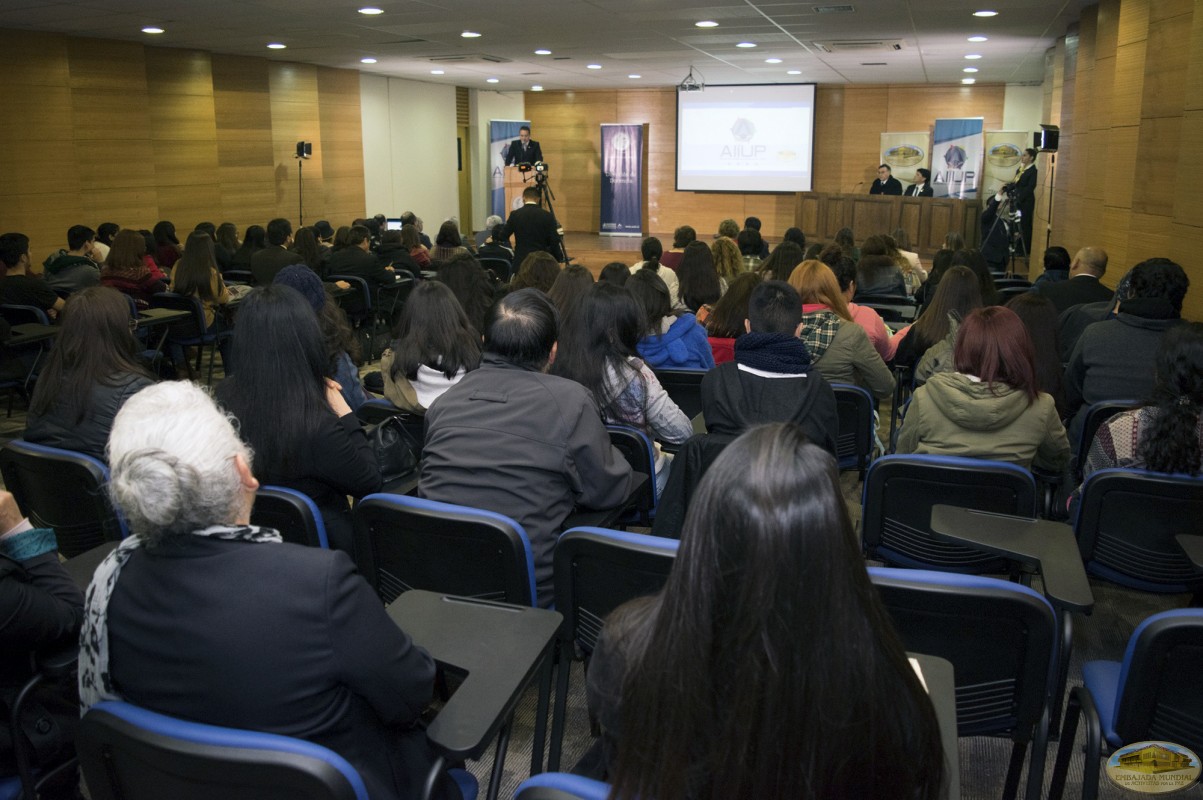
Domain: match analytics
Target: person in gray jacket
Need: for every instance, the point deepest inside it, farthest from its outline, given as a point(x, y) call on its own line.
point(511, 439)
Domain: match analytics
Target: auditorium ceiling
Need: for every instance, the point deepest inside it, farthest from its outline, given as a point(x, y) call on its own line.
point(595, 43)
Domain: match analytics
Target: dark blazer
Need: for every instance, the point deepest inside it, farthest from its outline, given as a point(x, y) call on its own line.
point(278, 638)
point(892, 186)
point(58, 428)
point(533, 228)
point(270, 260)
point(1075, 291)
point(915, 191)
point(515, 155)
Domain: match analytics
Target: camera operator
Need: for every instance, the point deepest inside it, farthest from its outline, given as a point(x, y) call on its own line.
point(996, 229)
point(1023, 195)
point(533, 227)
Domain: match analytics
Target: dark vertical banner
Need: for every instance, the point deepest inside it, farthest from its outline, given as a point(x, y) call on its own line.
point(622, 180)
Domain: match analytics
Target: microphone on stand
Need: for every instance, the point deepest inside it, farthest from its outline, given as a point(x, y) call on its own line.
point(854, 188)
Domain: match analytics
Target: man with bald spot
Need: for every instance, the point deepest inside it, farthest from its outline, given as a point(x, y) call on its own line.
point(1083, 285)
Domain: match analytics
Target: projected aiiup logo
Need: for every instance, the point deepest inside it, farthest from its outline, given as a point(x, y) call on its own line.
point(743, 132)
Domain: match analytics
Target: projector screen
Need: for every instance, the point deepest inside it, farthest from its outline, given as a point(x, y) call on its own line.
point(746, 138)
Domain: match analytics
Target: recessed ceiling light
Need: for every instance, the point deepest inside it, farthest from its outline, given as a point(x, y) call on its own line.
point(152, 29)
point(470, 35)
point(985, 13)
point(746, 44)
point(634, 75)
point(973, 56)
point(371, 11)
point(706, 23)
point(978, 39)
point(542, 52)
point(793, 72)
point(536, 88)
point(276, 46)
point(437, 72)
point(968, 80)
point(367, 61)
point(492, 80)
point(593, 66)
point(969, 69)
point(772, 61)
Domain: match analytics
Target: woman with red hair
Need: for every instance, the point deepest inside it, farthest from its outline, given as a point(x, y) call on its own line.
point(991, 406)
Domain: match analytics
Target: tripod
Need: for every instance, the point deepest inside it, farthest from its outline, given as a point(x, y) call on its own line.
point(547, 196)
point(1007, 216)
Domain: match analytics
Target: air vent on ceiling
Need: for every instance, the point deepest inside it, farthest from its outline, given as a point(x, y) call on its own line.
point(860, 45)
point(468, 58)
point(873, 63)
point(834, 9)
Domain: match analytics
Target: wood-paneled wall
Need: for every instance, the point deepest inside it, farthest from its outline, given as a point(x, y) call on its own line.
point(105, 131)
point(848, 124)
point(1127, 85)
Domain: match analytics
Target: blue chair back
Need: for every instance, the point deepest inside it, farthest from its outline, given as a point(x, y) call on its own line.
point(292, 513)
point(15, 314)
point(63, 490)
point(244, 276)
point(637, 449)
point(900, 491)
point(1127, 521)
point(1160, 694)
point(561, 786)
point(684, 386)
point(404, 543)
point(854, 439)
point(189, 331)
point(130, 753)
point(1002, 639)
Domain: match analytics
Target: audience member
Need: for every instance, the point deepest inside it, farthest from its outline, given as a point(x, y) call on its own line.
point(543, 449)
point(1056, 266)
point(435, 346)
point(653, 253)
point(17, 286)
point(1039, 317)
point(220, 253)
point(771, 378)
point(682, 236)
point(254, 240)
point(193, 618)
point(669, 340)
point(840, 349)
point(127, 270)
point(485, 233)
point(92, 370)
point(573, 283)
point(410, 238)
point(727, 322)
point(167, 247)
point(277, 255)
point(43, 611)
point(976, 263)
point(750, 245)
point(700, 285)
point(534, 228)
point(796, 236)
point(76, 267)
point(1076, 319)
point(940, 263)
point(227, 237)
point(746, 643)
point(325, 233)
point(356, 260)
point(1082, 284)
point(309, 251)
point(954, 241)
point(844, 238)
point(728, 262)
point(538, 270)
point(728, 228)
point(292, 415)
point(410, 218)
point(878, 276)
point(990, 406)
point(496, 249)
point(909, 261)
point(105, 232)
point(781, 262)
point(1114, 359)
point(864, 316)
point(753, 224)
point(957, 294)
point(471, 286)
point(447, 243)
point(598, 349)
point(616, 273)
point(195, 275)
point(342, 346)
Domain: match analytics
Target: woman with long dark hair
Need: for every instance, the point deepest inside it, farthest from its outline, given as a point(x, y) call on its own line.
point(127, 270)
point(652, 251)
point(767, 667)
point(470, 284)
point(669, 340)
point(1039, 316)
point(958, 293)
point(990, 406)
point(940, 263)
point(227, 237)
point(254, 240)
point(306, 245)
point(700, 285)
point(93, 369)
point(436, 345)
point(412, 240)
point(727, 321)
point(573, 283)
point(167, 246)
point(976, 262)
point(598, 348)
point(781, 262)
point(1166, 434)
point(447, 243)
point(293, 416)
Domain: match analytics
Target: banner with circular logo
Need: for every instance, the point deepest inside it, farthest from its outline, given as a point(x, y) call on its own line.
point(1153, 768)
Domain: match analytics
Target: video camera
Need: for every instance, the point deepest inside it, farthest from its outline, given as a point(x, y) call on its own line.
point(539, 168)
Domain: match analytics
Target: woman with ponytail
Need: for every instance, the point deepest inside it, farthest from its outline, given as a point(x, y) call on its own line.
point(652, 251)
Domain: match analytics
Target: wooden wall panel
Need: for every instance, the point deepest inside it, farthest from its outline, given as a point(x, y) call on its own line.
point(120, 132)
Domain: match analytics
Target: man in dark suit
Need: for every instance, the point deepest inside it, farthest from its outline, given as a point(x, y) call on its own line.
point(922, 185)
point(1024, 195)
point(1083, 285)
point(523, 150)
point(885, 183)
point(276, 256)
point(533, 228)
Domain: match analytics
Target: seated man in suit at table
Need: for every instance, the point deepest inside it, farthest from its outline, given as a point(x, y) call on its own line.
point(771, 378)
point(512, 439)
point(886, 183)
point(276, 256)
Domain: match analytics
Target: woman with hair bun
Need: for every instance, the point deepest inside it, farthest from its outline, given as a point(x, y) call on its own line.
point(767, 667)
point(991, 406)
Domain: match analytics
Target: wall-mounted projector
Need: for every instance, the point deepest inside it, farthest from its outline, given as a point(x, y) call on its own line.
point(690, 83)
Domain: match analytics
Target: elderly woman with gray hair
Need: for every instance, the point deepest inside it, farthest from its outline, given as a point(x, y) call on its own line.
point(203, 616)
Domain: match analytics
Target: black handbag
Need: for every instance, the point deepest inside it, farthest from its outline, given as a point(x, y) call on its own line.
point(396, 451)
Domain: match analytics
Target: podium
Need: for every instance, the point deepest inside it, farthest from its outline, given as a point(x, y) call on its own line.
point(514, 183)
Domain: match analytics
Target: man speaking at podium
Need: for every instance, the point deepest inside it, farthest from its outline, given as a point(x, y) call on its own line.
point(523, 150)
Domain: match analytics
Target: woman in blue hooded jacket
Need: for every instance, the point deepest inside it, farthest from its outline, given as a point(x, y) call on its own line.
point(669, 341)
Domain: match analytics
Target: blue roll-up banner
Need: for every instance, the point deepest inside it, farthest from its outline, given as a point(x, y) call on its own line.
point(622, 180)
point(501, 133)
point(956, 157)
